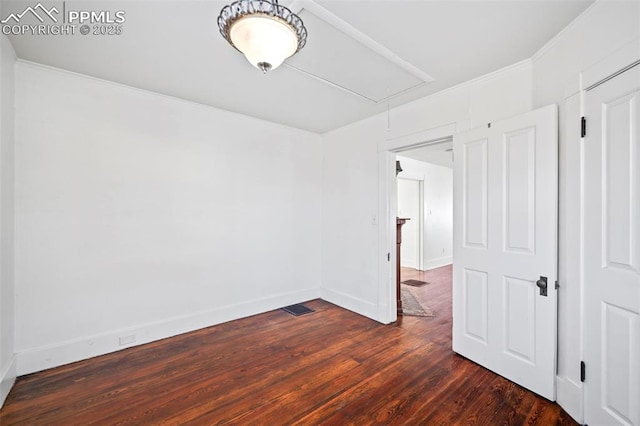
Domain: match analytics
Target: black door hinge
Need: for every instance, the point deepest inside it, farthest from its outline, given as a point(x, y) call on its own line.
point(583, 371)
point(388, 257)
point(583, 127)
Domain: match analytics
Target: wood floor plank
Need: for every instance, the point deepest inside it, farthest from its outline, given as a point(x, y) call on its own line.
point(366, 398)
point(328, 367)
point(311, 393)
point(457, 398)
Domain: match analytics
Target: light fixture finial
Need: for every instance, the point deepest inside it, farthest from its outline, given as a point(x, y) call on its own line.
point(264, 66)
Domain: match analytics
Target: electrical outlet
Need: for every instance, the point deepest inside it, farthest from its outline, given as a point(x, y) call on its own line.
point(126, 340)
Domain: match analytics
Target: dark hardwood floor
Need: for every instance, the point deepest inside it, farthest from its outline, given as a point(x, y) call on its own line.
point(329, 367)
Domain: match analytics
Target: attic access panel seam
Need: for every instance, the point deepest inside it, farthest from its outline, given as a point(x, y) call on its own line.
point(340, 55)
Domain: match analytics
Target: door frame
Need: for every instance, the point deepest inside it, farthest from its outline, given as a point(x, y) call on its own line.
point(387, 210)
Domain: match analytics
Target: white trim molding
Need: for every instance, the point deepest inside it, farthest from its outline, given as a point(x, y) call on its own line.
point(569, 397)
point(41, 358)
point(438, 263)
point(387, 211)
point(354, 304)
point(558, 37)
point(414, 140)
point(7, 379)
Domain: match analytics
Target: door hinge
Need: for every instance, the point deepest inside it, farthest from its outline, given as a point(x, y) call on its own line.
point(583, 371)
point(389, 257)
point(557, 285)
point(583, 127)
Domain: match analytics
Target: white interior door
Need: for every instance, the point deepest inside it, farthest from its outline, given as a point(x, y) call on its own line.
point(612, 251)
point(409, 207)
point(505, 240)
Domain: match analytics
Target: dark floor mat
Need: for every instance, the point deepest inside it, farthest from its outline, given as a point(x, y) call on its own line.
point(415, 283)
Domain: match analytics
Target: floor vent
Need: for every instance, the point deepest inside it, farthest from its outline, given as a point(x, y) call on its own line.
point(297, 310)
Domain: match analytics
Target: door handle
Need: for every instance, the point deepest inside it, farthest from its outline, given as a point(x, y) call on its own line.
point(542, 284)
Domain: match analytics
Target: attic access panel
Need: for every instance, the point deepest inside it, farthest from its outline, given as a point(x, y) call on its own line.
point(342, 56)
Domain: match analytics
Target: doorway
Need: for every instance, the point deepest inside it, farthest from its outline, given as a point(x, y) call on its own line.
point(432, 167)
point(425, 200)
point(388, 208)
point(505, 180)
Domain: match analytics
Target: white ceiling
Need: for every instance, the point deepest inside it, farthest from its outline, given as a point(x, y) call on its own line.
point(358, 54)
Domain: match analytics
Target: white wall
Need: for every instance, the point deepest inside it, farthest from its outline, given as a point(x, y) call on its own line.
point(350, 243)
point(140, 214)
point(7, 300)
point(438, 210)
point(601, 30)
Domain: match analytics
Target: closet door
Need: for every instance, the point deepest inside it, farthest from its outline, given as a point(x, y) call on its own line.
point(612, 251)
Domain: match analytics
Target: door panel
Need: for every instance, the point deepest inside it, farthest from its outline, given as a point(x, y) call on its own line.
point(519, 321)
point(519, 202)
point(475, 193)
point(617, 181)
point(619, 338)
point(475, 311)
point(612, 250)
point(505, 239)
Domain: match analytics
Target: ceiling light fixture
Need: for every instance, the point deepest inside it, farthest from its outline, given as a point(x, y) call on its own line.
point(265, 32)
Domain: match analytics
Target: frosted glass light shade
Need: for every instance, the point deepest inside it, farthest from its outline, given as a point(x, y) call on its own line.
point(265, 32)
point(264, 40)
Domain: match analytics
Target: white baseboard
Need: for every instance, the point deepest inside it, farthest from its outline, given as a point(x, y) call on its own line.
point(7, 379)
point(436, 263)
point(351, 303)
point(42, 358)
point(569, 397)
point(409, 263)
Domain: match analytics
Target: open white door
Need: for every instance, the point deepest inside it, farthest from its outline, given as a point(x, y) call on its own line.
point(409, 207)
point(505, 248)
point(612, 251)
